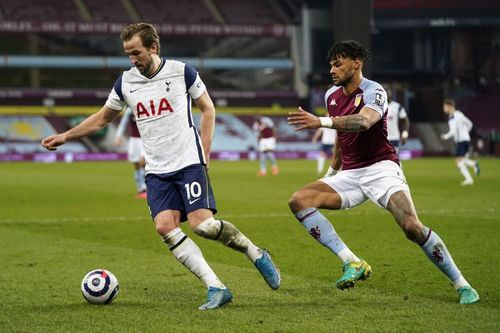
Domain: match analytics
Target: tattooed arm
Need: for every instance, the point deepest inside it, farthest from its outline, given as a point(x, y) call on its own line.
point(359, 122)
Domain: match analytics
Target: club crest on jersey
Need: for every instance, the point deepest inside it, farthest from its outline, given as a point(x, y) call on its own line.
point(143, 111)
point(357, 100)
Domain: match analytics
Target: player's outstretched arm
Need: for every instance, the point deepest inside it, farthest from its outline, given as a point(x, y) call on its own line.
point(359, 122)
point(302, 120)
point(90, 125)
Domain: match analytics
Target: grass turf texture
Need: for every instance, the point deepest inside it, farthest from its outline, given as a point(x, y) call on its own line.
point(58, 221)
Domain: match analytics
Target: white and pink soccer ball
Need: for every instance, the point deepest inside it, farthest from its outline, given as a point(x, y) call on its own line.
point(100, 286)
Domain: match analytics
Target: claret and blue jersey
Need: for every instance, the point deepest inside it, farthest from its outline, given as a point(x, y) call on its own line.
point(362, 149)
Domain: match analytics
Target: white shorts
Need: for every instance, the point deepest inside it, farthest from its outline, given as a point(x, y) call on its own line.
point(267, 144)
point(135, 150)
point(376, 182)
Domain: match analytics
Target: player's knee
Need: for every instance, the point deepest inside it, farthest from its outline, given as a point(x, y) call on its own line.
point(166, 222)
point(412, 229)
point(210, 228)
point(295, 201)
point(162, 228)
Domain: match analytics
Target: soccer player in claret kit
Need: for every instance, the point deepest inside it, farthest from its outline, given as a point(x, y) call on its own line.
point(370, 170)
point(135, 150)
point(267, 144)
point(159, 91)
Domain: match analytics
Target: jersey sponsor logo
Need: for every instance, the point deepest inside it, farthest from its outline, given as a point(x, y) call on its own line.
point(358, 99)
point(144, 112)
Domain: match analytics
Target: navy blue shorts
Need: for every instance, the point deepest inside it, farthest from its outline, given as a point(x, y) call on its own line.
point(185, 190)
point(462, 148)
point(395, 143)
point(327, 148)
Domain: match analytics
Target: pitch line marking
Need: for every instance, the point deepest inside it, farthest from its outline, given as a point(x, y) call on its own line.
point(228, 216)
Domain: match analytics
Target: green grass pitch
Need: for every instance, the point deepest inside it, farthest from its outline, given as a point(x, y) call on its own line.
point(58, 221)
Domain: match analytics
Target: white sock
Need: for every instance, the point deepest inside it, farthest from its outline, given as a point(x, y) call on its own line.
point(433, 246)
point(189, 254)
point(321, 163)
point(470, 163)
point(227, 234)
point(464, 171)
point(322, 230)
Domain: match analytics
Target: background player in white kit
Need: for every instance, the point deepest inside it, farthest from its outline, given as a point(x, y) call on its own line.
point(160, 91)
point(396, 113)
point(135, 151)
point(459, 128)
point(328, 136)
point(370, 170)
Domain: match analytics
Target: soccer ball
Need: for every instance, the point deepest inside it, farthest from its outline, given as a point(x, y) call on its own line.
point(100, 286)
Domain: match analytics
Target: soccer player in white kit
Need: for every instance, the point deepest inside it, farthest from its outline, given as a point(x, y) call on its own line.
point(459, 128)
point(159, 91)
point(328, 137)
point(135, 151)
point(396, 113)
point(370, 170)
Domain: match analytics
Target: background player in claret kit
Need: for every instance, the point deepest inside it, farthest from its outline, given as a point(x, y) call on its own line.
point(178, 188)
point(135, 151)
point(396, 113)
point(459, 128)
point(328, 136)
point(267, 144)
point(370, 170)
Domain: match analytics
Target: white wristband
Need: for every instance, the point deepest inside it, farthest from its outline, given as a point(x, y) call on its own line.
point(404, 135)
point(326, 122)
point(330, 172)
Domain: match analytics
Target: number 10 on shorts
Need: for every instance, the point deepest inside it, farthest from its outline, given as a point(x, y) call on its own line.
point(193, 191)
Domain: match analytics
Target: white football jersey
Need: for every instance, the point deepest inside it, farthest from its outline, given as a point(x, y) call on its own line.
point(162, 108)
point(395, 112)
point(460, 127)
point(328, 136)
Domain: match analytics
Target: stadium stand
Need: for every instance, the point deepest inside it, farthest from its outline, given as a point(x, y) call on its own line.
point(243, 12)
point(184, 11)
point(107, 11)
point(53, 10)
point(246, 31)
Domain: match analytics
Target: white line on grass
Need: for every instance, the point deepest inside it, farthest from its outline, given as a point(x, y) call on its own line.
point(442, 211)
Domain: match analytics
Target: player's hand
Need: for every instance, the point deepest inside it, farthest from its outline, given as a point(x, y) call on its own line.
point(52, 142)
point(404, 137)
point(330, 172)
point(303, 120)
point(443, 137)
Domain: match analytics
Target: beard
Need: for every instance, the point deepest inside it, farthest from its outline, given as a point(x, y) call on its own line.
point(344, 81)
point(144, 69)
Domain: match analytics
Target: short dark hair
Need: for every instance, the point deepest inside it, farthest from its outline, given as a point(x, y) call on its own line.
point(146, 32)
point(349, 49)
point(449, 101)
